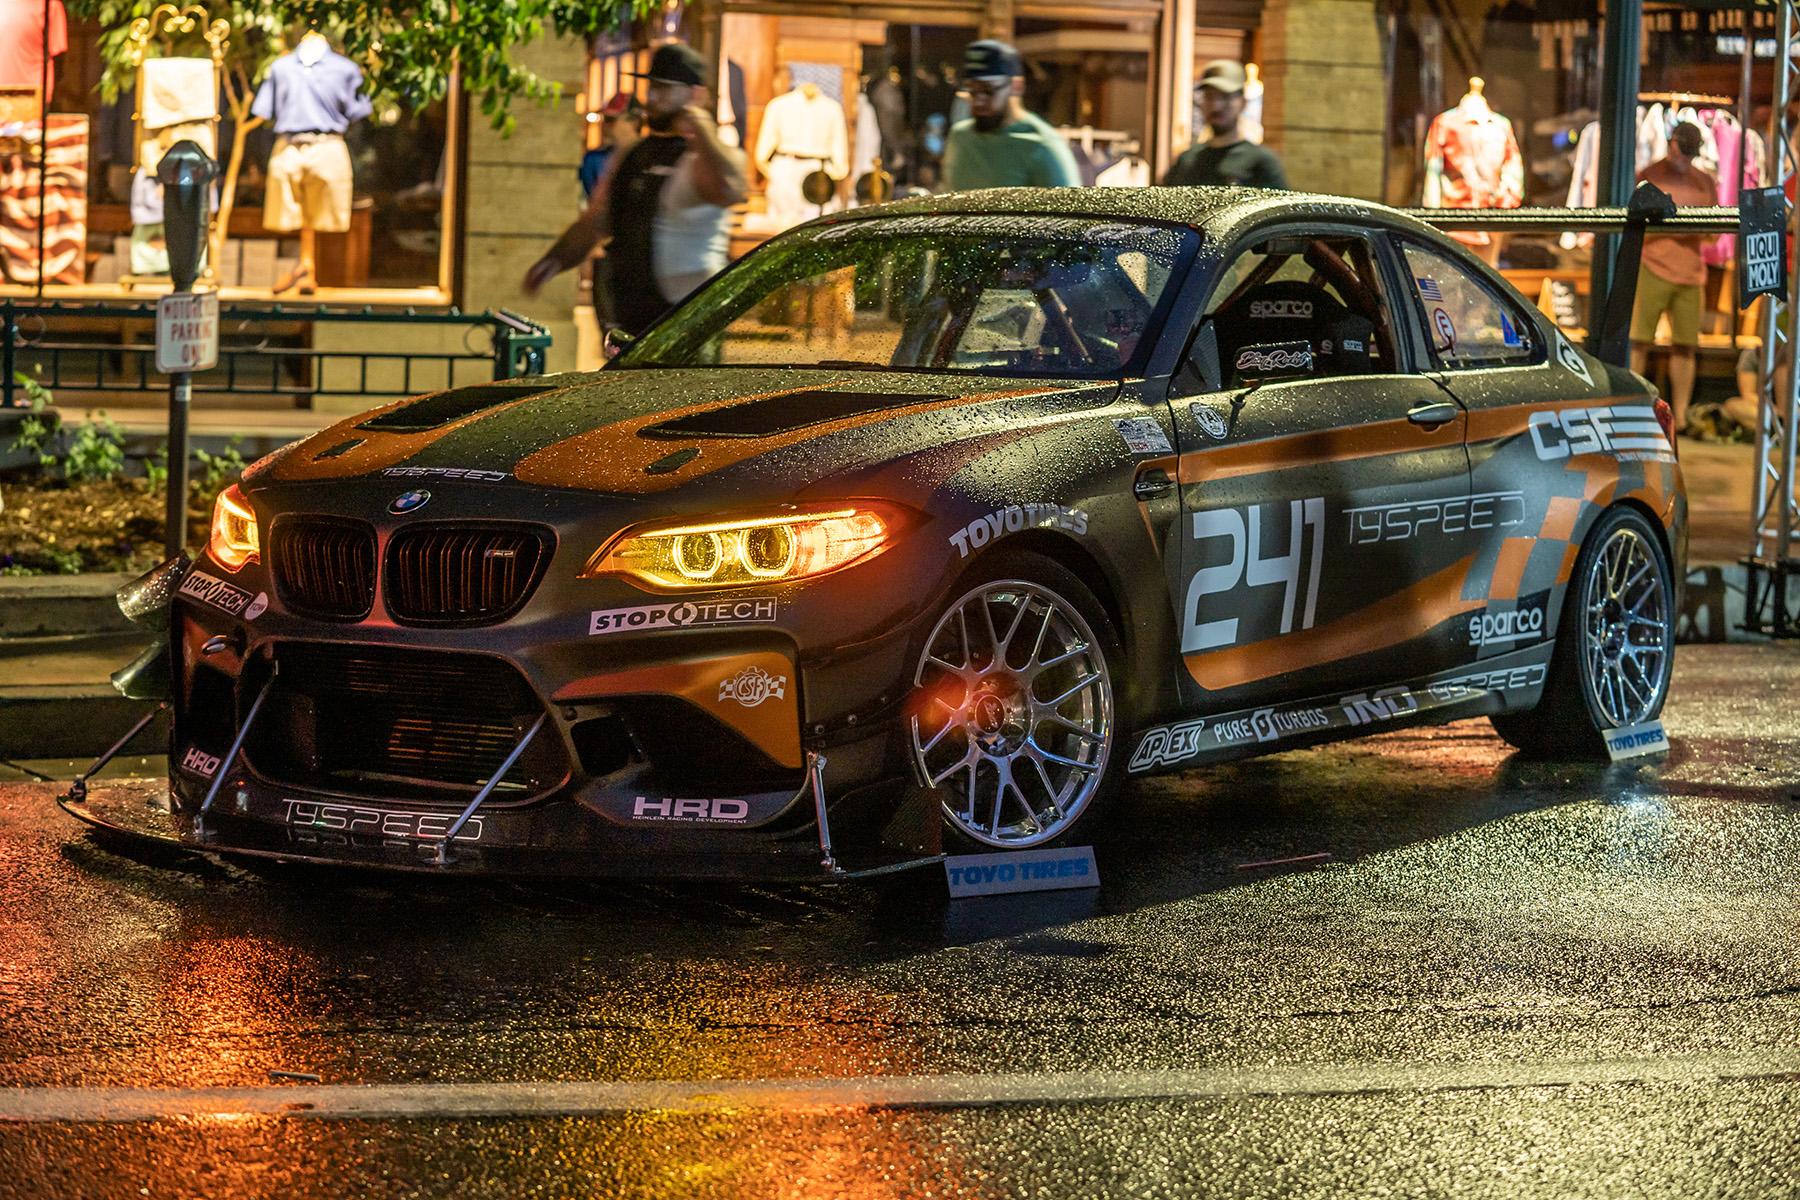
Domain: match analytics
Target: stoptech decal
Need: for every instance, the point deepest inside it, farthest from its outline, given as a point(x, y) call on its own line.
point(468, 474)
point(200, 762)
point(723, 811)
point(1453, 515)
point(1169, 744)
point(1231, 540)
point(1499, 628)
point(1268, 725)
point(681, 614)
point(1629, 430)
point(1015, 518)
point(752, 685)
point(1366, 708)
point(216, 592)
point(379, 822)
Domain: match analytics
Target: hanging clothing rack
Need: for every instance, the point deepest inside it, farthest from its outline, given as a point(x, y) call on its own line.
point(1686, 99)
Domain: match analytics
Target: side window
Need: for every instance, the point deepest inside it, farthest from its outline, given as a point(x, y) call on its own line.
point(1468, 323)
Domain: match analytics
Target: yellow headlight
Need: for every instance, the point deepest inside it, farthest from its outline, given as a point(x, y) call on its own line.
point(235, 540)
point(733, 553)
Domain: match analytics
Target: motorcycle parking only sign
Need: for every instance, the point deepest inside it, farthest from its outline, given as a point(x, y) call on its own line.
point(1761, 244)
point(187, 332)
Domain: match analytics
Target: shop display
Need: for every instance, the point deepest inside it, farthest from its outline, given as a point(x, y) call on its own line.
point(803, 131)
point(23, 69)
point(1472, 160)
point(62, 201)
point(311, 95)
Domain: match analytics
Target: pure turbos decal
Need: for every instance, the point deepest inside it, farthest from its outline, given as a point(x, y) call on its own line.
point(1016, 518)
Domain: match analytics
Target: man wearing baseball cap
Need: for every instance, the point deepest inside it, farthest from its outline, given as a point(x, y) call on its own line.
point(664, 204)
point(1001, 144)
point(1226, 158)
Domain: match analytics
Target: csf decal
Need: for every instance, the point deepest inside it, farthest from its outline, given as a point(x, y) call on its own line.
point(1629, 430)
point(1233, 542)
point(200, 762)
point(752, 685)
point(1167, 745)
point(1016, 518)
point(721, 811)
point(683, 614)
point(1572, 360)
point(215, 592)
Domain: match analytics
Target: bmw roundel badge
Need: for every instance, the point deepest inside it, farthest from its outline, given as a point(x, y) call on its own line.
point(407, 502)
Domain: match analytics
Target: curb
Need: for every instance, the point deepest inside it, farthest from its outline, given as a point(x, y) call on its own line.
point(61, 605)
point(74, 721)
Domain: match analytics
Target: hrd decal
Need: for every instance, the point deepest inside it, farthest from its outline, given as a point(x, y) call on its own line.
point(1015, 518)
point(1232, 540)
point(722, 811)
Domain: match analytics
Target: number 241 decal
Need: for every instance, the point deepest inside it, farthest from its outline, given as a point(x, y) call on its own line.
point(1242, 534)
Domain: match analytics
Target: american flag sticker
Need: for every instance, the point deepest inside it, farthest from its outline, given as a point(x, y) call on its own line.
point(1429, 290)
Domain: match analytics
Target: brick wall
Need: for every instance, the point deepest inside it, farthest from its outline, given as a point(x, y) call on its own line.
point(1324, 107)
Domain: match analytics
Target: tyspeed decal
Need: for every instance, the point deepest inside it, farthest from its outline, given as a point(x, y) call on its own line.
point(1231, 540)
point(1015, 518)
point(378, 822)
point(1210, 422)
point(722, 811)
point(1167, 745)
point(1505, 679)
point(1629, 430)
point(681, 614)
point(1143, 436)
point(752, 685)
point(1372, 523)
point(467, 474)
point(1572, 359)
point(221, 595)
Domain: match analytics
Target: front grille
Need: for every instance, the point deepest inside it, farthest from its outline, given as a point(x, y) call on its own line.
point(385, 721)
point(324, 568)
point(462, 575)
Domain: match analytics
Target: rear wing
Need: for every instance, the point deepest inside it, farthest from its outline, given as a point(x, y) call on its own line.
point(1651, 212)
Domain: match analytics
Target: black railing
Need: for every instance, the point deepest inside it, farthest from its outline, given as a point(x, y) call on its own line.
point(262, 350)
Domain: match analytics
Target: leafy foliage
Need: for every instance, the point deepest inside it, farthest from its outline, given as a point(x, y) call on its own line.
point(37, 434)
point(96, 451)
point(217, 471)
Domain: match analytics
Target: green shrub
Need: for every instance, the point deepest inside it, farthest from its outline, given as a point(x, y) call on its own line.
point(218, 471)
point(36, 436)
point(96, 451)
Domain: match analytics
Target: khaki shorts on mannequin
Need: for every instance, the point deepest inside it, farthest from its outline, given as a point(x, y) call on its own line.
point(309, 184)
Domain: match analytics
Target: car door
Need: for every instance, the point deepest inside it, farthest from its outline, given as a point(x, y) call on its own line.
point(1322, 556)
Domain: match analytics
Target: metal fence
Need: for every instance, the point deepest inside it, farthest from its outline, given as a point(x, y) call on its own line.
point(263, 350)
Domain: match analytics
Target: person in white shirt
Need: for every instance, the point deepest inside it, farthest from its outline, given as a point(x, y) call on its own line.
point(802, 131)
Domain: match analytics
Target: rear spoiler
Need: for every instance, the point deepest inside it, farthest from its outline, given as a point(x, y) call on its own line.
point(1651, 211)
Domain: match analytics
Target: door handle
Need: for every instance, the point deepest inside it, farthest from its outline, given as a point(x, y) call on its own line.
point(1432, 413)
point(1152, 483)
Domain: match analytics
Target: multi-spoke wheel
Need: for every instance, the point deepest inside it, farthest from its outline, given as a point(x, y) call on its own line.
point(1013, 710)
point(1615, 645)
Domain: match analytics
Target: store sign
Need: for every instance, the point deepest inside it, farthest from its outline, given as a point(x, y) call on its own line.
point(1761, 244)
point(187, 332)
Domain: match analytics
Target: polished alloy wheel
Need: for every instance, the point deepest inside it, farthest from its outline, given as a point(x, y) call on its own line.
point(1625, 634)
point(1013, 713)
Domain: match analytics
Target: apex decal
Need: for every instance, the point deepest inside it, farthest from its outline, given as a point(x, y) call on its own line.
point(684, 614)
point(1015, 518)
point(1167, 745)
point(752, 685)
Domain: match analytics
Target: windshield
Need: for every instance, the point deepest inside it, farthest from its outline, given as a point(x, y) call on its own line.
point(1068, 297)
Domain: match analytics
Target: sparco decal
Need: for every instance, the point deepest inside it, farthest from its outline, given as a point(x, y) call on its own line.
point(711, 812)
point(469, 474)
point(1366, 708)
point(1268, 725)
point(1453, 515)
point(216, 592)
point(752, 685)
point(379, 822)
point(1015, 518)
point(1169, 744)
point(1264, 310)
point(683, 614)
point(1231, 541)
point(1497, 628)
point(199, 762)
point(1630, 430)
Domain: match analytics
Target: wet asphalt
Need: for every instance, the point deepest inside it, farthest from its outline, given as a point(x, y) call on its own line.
point(1509, 978)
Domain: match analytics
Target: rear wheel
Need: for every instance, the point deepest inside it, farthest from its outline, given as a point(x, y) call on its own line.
point(1615, 648)
point(1014, 712)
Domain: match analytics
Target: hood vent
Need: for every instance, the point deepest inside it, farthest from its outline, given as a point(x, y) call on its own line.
point(441, 408)
point(780, 414)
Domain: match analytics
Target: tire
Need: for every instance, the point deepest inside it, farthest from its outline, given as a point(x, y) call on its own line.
point(1020, 745)
point(1615, 644)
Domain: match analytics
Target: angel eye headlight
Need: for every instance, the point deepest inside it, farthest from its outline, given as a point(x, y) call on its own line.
point(235, 539)
point(732, 553)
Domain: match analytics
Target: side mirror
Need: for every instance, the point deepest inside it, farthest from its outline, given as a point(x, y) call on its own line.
point(616, 342)
point(1200, 373)
point(1273, 360)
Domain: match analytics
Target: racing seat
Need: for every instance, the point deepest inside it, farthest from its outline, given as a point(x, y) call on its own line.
point(1290, 310)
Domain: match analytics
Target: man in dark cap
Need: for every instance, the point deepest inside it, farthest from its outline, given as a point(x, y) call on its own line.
point(1001, 144)
point(664, 204)
point(1226, 158)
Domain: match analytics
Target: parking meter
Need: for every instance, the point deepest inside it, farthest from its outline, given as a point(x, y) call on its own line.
point(186, 174)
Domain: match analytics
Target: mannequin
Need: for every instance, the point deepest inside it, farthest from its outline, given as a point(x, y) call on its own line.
point(1472, 160)
point(1251, 122)
point(802, 131)
point(312, 94)
point(23, 68)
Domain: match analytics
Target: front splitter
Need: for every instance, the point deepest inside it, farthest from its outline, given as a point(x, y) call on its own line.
point(141, 810)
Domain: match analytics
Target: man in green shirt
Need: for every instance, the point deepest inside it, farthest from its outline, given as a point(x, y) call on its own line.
point(1226, 158)
point(1002, 145)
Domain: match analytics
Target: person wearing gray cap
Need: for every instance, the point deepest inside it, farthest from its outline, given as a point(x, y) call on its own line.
point(665, 204)
point(1001, 144)
point(1226, 158)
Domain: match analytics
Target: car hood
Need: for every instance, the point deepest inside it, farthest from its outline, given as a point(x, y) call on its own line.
point(640, 432)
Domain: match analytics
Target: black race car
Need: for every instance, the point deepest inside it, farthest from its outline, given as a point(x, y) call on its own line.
point(942, 517)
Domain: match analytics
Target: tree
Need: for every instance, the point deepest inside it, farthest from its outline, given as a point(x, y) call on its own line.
point(407, 51)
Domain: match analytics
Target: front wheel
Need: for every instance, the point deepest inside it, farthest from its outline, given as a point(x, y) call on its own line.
point(1615, 646)
point(1014, 708)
